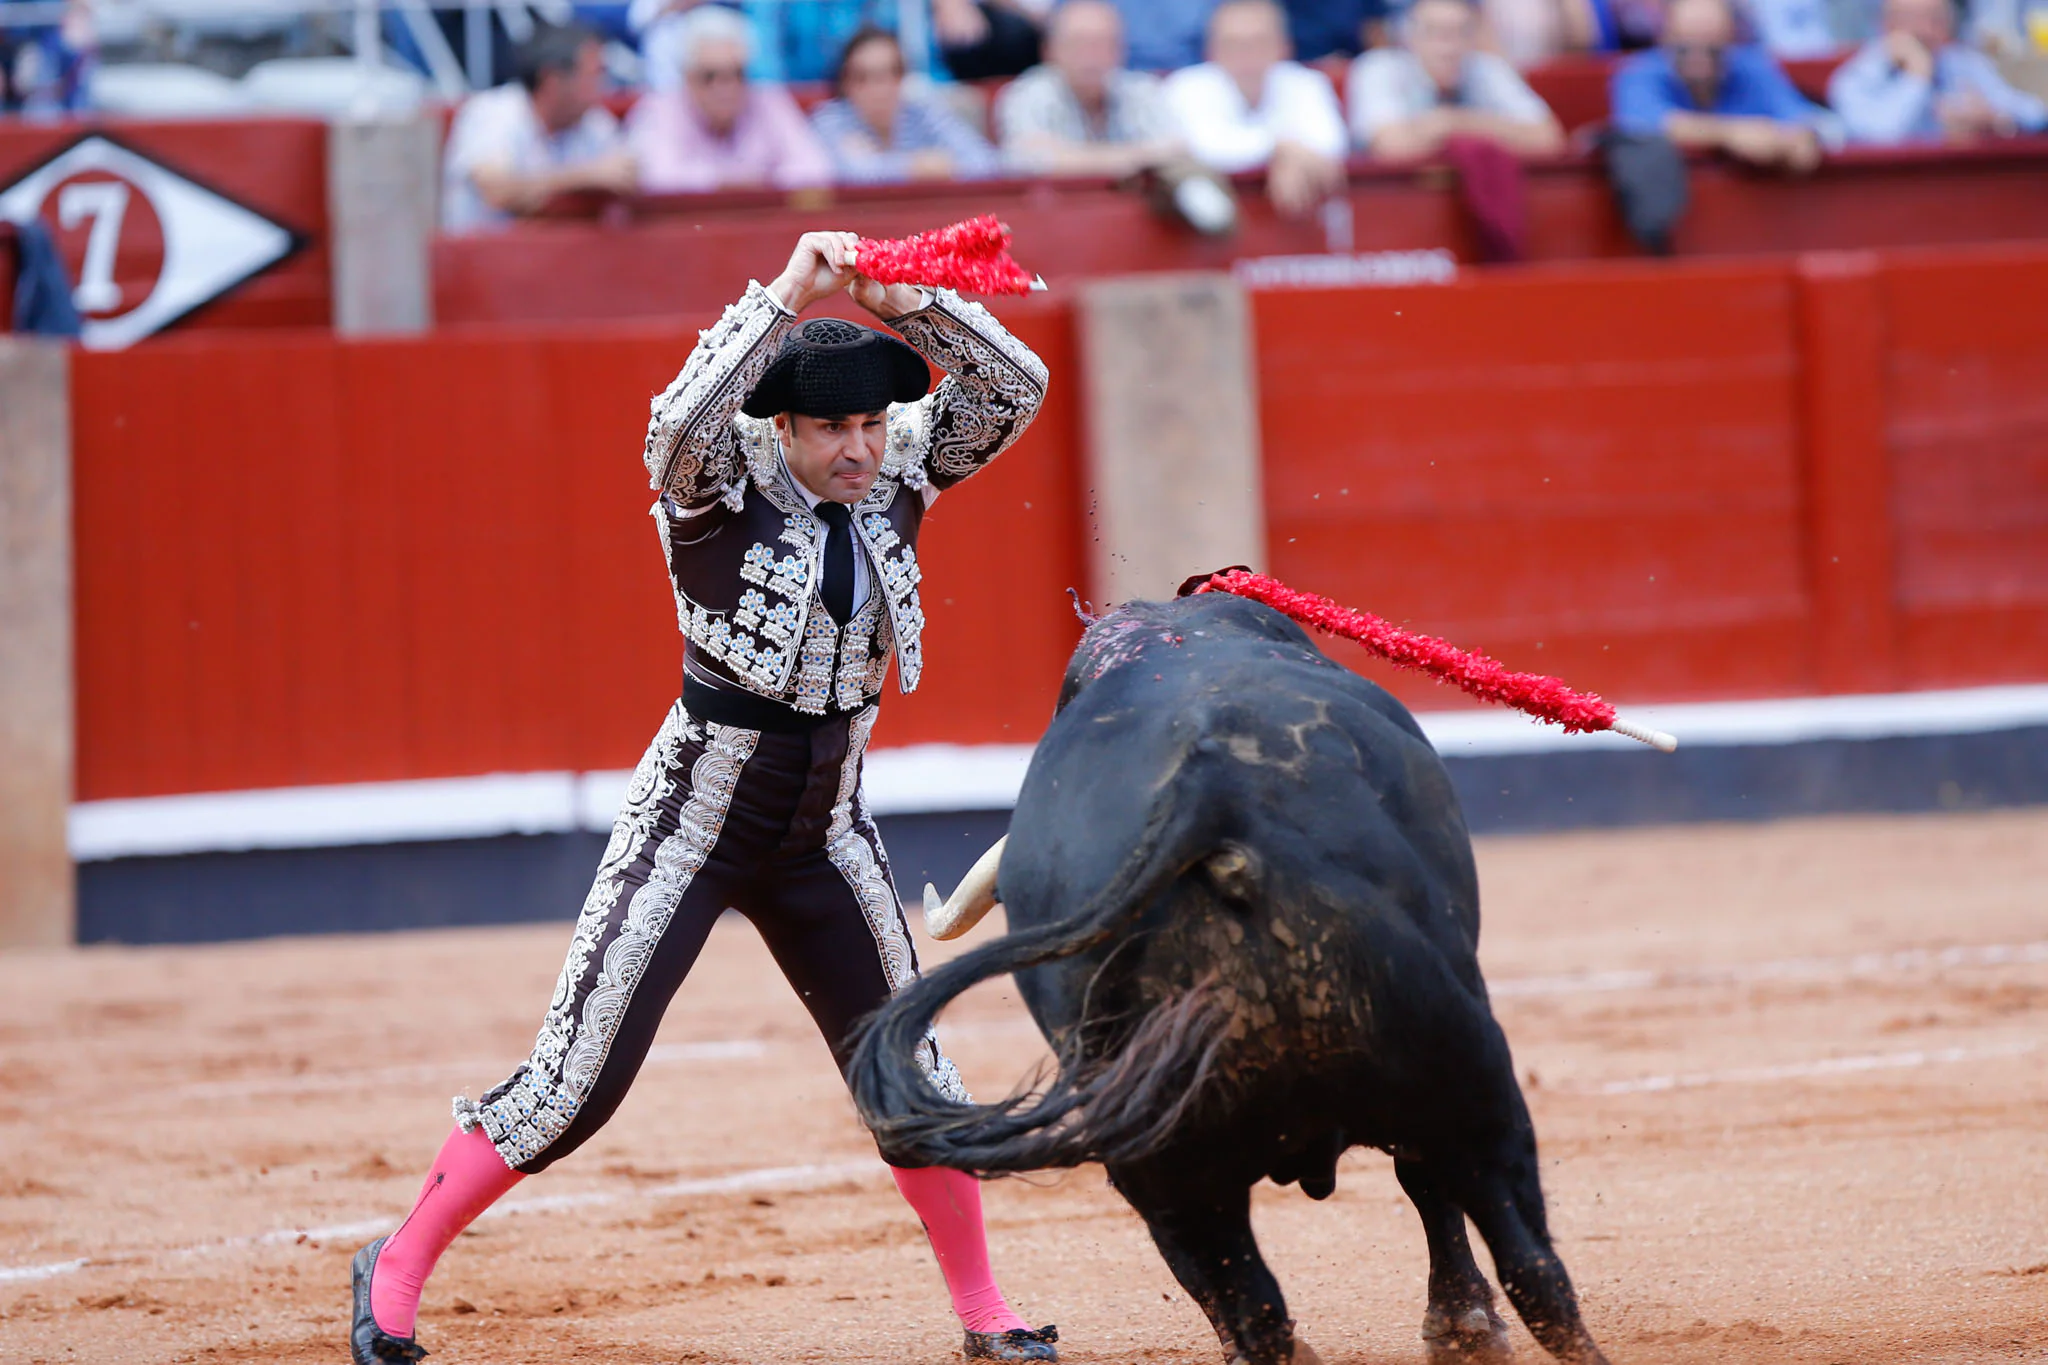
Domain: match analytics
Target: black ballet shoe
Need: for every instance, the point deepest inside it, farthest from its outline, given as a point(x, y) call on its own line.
point(1019, 1343)
point(369, 1344)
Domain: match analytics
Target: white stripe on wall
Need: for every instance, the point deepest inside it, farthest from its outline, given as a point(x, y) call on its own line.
point(943, 777)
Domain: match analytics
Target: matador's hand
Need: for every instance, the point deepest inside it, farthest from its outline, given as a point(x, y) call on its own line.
point(821, 265)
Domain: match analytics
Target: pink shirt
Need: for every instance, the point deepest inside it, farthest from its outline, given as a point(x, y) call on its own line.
point(771, 144)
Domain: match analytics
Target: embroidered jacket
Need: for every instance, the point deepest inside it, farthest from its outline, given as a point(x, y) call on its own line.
point(745, 553)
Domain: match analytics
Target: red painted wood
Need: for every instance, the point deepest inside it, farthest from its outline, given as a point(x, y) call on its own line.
point(1967, 427)
point(305, 561)
point(1849, 485)
point(1589, 472)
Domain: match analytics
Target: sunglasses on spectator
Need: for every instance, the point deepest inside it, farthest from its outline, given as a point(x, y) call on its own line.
point(715, 75)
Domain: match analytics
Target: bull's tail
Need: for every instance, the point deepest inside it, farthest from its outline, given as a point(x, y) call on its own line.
point(1116, 1107)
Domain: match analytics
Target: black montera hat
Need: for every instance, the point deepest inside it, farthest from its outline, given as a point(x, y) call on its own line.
point(829, 368)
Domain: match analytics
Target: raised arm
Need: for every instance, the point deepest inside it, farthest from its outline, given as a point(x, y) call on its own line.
point(992, 389)
point(692, 453)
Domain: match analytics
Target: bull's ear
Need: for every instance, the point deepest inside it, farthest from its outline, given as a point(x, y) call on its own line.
point(1236, 872)
point(1190, 587)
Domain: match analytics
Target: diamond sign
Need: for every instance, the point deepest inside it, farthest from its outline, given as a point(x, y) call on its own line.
point(209, 244)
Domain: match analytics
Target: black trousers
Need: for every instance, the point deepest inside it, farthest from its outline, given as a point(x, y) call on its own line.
point(773, 825)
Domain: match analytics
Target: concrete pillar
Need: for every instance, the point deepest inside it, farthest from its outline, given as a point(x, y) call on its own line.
point(382, 202)
point(37, 898)
point(1173, 431)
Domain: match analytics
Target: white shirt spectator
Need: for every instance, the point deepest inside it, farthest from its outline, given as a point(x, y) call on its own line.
point(1388, 86)
point(1227, 134)
point(498, 128)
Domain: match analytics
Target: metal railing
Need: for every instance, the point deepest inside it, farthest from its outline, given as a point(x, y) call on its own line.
point(450, 75)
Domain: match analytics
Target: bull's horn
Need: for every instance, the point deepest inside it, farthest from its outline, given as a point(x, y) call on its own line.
point(972, 899)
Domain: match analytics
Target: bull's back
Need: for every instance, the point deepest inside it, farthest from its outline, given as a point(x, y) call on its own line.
point(1332, 858)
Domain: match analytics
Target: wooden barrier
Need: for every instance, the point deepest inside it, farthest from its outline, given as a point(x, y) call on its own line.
point(408, 558)
point(306, 561)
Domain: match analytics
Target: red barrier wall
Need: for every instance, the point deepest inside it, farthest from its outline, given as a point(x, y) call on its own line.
point(1597, 474)
point(1966, 427)
point(305, 561)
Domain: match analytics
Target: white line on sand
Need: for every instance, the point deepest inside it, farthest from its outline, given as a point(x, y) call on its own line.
point(746, 1049)
point(800, 1177)
point(762, 1178)
point(1796, 1071)
point(710, 1050)
point(1783, 969)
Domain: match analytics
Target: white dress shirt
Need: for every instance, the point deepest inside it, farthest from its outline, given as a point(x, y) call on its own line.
point(860, 549)
point(1227, 134)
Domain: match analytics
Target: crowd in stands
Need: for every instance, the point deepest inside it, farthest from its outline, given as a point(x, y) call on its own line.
point(1115, 87)
point(1185, 88)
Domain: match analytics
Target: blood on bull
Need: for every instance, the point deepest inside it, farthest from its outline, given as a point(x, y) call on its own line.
point(1243, 911)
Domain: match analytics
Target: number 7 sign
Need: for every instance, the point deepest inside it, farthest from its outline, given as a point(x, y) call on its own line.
point(156, 244)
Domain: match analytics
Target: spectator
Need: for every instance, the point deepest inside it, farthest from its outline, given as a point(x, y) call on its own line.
point(1165, 35)
point(1529, 32)
point(794, 40)
point(1331, 28)
point(1083, 113)
point(1699, 88)
point(46, 69)
point(513, 148)
point(1407, 101)
point(1917, 84)
point(1249, 106)
point(987, 39)
point(875, 134)
point(721, 130)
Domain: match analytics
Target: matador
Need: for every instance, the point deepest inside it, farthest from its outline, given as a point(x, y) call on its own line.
point(793, 464)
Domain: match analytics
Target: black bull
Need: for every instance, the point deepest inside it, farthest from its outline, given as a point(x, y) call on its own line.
point(1244, 913)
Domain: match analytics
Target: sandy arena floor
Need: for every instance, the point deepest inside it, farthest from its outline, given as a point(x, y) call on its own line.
point(1791, 1083)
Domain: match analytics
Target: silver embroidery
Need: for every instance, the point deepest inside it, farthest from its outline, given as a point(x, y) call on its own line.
point(847, 846)
point(693, 449)
point(785, 646)
point(993, 386)
point(544, 1097)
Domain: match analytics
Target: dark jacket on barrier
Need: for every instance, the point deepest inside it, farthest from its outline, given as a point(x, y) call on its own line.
point(1649, 179)
point(42, 288)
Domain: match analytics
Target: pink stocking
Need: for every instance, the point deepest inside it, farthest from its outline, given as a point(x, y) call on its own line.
point(467, 1177)
point(949, 1202)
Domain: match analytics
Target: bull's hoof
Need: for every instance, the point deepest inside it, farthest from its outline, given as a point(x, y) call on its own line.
point(1019, 1343)
point(1476, 1336)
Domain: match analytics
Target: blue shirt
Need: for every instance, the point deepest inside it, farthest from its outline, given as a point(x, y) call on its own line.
point(1882, 103)
point(1647, 90)
point(1164, 35)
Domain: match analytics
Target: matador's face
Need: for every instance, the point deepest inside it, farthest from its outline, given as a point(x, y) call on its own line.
point(835, 457)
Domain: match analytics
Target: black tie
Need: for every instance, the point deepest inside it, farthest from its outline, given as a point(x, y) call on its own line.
point(838, 560)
